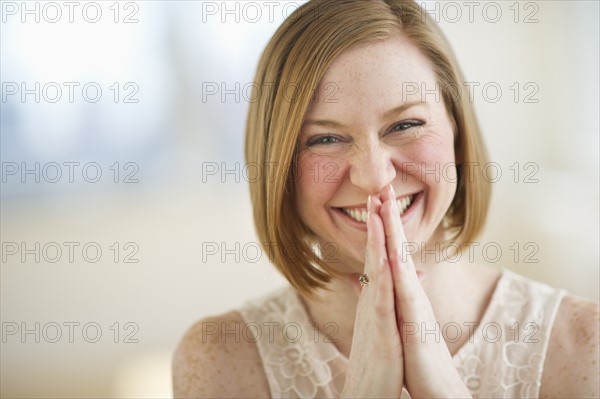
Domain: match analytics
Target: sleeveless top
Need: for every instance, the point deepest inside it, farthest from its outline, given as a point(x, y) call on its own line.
point(503, 357)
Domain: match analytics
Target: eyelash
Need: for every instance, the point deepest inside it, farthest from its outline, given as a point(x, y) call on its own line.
point(410, 123)
point(318, 140)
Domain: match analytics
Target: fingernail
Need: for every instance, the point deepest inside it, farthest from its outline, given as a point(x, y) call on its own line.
point(392, 192)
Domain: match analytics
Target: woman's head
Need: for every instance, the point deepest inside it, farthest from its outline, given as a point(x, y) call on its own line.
point(353, 96)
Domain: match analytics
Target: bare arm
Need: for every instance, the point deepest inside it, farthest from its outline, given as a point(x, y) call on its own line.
point(571, 369)
point(213, 362)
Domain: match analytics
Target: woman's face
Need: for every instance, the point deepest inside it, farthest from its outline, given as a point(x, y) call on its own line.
point(378, 119)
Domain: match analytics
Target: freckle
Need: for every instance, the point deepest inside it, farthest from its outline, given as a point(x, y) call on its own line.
point(585, 378)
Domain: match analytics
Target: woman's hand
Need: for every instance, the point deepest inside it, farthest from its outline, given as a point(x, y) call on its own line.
point(376, 361)
point(428, 367)
point(387, 349)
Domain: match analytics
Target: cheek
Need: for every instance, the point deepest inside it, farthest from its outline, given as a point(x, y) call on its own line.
point(431, 159)
point(317, 177)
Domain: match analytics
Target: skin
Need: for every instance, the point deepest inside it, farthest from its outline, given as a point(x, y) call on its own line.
point(369, 151)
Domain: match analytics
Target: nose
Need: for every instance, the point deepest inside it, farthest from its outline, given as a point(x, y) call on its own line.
point(371, 168)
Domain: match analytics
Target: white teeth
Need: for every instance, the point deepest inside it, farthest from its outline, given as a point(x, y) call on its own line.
point(361, 214)
point(357, 214)
point(403, 203)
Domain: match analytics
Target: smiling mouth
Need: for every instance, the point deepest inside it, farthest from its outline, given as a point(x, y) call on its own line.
point(360, 214)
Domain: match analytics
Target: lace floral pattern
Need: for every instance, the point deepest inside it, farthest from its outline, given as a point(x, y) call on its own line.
point(508, 363)
point(299, 362)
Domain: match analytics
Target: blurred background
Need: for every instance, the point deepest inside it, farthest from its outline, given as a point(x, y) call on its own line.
point(125, 215)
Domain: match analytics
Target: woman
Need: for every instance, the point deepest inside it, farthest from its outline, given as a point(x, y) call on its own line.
point(361, 227)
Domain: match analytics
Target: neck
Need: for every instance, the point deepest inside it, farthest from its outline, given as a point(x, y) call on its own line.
point(336, 305)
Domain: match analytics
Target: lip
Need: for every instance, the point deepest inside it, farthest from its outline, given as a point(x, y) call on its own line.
point(405, 217)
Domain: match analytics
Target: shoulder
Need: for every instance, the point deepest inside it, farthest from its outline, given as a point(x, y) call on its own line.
point(214, 360)
point(571, 368)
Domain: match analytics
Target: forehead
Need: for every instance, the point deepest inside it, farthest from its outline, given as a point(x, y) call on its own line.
point(373, 78)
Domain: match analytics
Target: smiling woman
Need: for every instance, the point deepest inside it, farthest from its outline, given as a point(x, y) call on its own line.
point(371, 141)
point(360, 171)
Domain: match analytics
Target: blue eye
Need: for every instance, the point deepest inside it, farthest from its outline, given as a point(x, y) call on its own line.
point(322, 140)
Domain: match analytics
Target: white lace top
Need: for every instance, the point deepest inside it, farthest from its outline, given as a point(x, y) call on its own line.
point(503, 358)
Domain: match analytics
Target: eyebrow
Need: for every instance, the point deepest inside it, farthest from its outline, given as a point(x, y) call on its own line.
point(386, 115)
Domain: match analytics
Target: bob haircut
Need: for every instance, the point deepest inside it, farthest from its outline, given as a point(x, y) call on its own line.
point(288, 73)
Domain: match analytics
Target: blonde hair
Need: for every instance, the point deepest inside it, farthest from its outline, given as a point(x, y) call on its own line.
point(295, 59)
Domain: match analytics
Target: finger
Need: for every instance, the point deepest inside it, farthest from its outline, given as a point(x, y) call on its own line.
point(380, 277)
point(372, 250)
point(406, 282)
point(382, 286)
point(394, 233)
point(376, 252)
point(375, 238)
point(390, 215)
